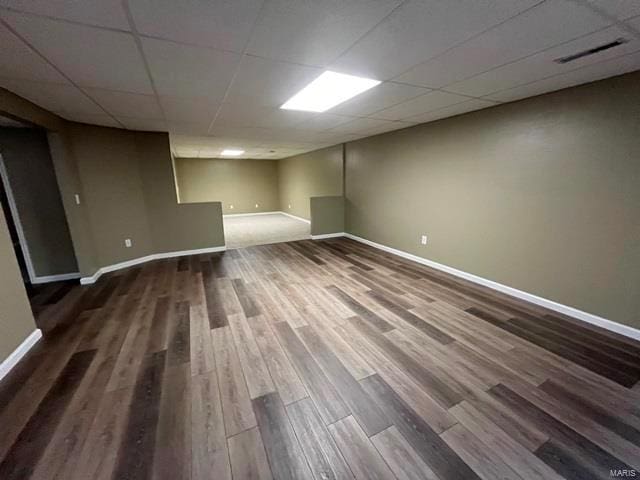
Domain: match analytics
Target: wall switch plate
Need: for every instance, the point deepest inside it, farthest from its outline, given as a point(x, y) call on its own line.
point(289, 206)
point(423, 240)
point(231, 207)
point(128, 242)
point(257, 205)
point(77, 197)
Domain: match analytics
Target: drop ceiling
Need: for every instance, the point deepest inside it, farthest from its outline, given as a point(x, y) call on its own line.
point(214, 73)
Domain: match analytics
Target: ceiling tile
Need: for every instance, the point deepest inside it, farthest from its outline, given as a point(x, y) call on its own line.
point(186, 152)
point(314, 32)
point(634, 23)
point(91, 57)
point(102, 120)
point(363, 125)
point(621, 9)
point(598, 71)
point(184, 71)
point(54, 97)
point(457, 109)
point(420, 30)
point(17, 60)
point(188, 110)
point(182, 128)
point(143, 124)
point(323, 121)
point(207, 142)
point(243, 115)
point(542, 64)
point(212, 152)
point(383, 96)
point(423, 104)
point(225, 25)
point(548, 24)
point(105, 13)
point(247, 133)
point(126, 104)
point(268, 83)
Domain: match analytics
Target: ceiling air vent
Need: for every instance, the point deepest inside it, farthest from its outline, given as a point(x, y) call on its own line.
point(591, 51)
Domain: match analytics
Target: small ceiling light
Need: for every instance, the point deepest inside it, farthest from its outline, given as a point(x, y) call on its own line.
point(231, 152)
point(327, 91)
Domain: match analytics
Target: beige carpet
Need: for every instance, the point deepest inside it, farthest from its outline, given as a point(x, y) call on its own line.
point(261, 229)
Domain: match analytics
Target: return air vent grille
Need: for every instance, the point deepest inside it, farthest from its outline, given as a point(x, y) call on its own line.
point(591, 51)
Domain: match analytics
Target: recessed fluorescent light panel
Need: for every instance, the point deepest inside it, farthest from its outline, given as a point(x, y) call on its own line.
point(327, 91)
point(232, 152)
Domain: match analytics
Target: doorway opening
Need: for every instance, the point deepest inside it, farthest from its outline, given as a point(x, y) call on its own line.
point(35, 216)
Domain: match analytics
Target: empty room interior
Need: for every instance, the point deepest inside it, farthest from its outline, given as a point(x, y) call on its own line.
point(320, 239)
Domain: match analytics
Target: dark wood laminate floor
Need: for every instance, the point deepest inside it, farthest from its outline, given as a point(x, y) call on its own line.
point(314, 360)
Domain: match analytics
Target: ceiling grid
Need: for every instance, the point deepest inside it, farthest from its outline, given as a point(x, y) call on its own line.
point(214, 74)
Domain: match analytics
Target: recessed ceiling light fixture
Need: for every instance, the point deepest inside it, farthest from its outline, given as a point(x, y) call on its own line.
point(231, 152)
point(327, 91)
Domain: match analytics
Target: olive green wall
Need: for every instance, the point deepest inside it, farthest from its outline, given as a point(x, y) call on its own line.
point(309, 175)
point(542, 195)
point(66, 170)
point(25, 153)
point(327, 215)
point(125, 181)
point(130, 193)
point(16, 319)
point(242, 183)
point(174, 226)
point(108, 168)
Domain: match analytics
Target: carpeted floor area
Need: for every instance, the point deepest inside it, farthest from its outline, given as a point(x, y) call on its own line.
point(244, 231)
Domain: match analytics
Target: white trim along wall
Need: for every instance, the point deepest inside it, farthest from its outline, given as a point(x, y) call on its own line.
point(297, 218)
point(24, 246)
point(514, 292)
point(137, 261)
point(249, 214)
point(15, 356)
point(607, 324)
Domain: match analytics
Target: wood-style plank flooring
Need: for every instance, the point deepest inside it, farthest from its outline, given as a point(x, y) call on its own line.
point(313, 360)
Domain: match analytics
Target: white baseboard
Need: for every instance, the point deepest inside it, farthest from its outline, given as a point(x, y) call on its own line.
point(228, 215)
point(297, 218)
point(610, 325)
point(56, 278)
point(15, 356)
point(137, 261)
point(327, 235)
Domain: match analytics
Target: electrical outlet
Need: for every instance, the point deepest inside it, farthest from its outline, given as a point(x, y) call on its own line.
point(289, 206)
point(423, 240)
point(128, 242)
point(231, 207)
point(77, 197)
point(257, 205)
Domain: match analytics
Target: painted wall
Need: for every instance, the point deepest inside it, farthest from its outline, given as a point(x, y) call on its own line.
point(126, 185)
point(108, 167)
point(173, 226)
point(542, 195)
point(327, 215)
point(16, 319)
point(309, 175)
point(130, 193)
point(242, 183)
point(66, 170)
point(25, 153)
